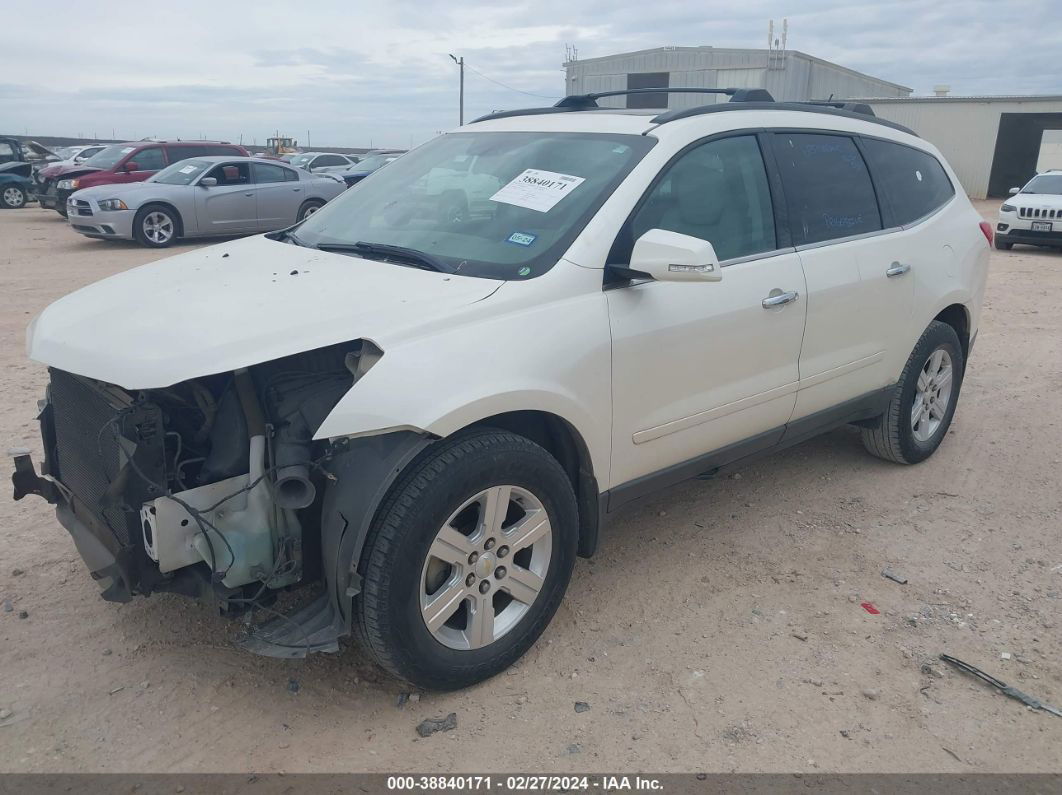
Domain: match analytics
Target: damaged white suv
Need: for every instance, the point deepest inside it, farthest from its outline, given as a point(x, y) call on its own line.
point(426, 399)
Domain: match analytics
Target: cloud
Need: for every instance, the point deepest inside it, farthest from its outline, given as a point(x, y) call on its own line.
point(355, 74)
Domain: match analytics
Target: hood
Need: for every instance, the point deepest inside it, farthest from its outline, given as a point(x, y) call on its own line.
point(19, 167)
point(59, 171)
point(122, 190)
point(235, 305)
point(1051, 201)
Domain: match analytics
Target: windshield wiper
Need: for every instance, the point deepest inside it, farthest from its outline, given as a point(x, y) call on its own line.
point(383, 251)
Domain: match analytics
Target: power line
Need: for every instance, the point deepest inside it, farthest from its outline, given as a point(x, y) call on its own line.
point(503, 85)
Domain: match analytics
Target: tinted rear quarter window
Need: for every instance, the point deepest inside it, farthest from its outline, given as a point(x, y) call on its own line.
point(912, 183)
point(827, 187)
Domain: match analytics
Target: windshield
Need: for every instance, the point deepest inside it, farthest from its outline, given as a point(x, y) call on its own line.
point(1044, 183)
point(109, 157)
point(502, 205)
point(181, 173)
point(66, 152)
point(301, 160)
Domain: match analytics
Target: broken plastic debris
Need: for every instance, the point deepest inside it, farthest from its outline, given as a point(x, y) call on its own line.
point(870, 608)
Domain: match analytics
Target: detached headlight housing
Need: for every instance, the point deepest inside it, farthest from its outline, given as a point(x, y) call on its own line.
point(1008, 208)
point(113, 204)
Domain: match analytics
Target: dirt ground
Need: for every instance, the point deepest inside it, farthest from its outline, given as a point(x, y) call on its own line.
point(719, 628)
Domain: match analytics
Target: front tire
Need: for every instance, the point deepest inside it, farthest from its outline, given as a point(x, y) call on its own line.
point(923, 401)
point(467, 560)
point(12, 197)
point(156, 226)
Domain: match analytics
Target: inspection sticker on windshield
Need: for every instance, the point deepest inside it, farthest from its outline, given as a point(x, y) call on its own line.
point(537, 190)
point(522, 238)
point(188, 169)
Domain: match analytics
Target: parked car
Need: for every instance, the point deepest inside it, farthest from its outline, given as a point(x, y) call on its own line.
point(371, 163)
point(200, 197)
point(123, 163)
point(323, 161)
point(18, 162)
point(15, 190)
point(72, 155)
point(430, 416)
point(1034, 215)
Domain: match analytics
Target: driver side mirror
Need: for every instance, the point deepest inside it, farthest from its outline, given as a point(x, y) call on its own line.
point(1014, 191)
point(208, 182)
point(132, 166)
point(672, 257)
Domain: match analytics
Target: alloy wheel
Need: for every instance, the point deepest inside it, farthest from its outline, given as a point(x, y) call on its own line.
point(14, 197)
point(158, 227)
point(486, 567)
point(932, 395)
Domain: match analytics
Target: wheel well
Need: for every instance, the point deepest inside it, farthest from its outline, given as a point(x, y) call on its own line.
point(171, 208)
point(565, 444)
point(957, 317)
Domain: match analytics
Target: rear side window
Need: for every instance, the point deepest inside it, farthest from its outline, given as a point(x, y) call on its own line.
point(827, 187)
point(912, 183)
point(267, 172)
point(148, 159)
point(178, 152)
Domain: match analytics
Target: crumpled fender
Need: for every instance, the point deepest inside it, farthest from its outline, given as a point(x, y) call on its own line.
point(525, 353)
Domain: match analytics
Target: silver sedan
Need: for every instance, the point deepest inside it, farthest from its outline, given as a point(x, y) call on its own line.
point(201, 197)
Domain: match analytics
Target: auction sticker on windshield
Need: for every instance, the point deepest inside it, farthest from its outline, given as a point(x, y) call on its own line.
point(537, 190)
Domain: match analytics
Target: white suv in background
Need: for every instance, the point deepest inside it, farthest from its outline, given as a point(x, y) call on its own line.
point(430, 413)
point(1033, 214)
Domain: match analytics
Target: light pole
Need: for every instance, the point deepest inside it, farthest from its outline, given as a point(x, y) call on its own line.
point(461, 63)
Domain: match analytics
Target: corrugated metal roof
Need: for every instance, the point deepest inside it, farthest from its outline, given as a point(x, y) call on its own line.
point(738, 51)
point(971, 98)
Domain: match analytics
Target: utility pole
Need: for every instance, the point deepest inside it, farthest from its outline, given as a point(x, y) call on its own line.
point(461, 63)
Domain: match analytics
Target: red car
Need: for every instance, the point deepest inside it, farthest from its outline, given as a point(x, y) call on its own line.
point(121, 163)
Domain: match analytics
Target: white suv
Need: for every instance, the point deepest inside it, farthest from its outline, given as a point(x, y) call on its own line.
point(1034, 214)
point(431, 413)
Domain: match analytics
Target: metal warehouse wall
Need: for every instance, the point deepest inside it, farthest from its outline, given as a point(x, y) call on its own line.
point(963, 128)
point(791, 76)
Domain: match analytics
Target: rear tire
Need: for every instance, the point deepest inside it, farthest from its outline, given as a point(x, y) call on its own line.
point(12, 197)
point(156, 226)
point(1002, 245)
point(923, 401)
point(309, 207)
point(439, 556)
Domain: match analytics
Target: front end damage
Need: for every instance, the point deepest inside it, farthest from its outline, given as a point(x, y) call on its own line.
point(215, 488)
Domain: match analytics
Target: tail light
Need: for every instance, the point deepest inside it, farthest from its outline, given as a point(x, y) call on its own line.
point(986, 228)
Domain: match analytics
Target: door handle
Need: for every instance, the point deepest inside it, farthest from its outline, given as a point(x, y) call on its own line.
point(779, 300)
point(296, 190)
point(897, 269)
point(248, 194)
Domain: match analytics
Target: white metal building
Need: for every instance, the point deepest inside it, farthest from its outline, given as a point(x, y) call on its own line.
point(789, 75)
point(993, 143)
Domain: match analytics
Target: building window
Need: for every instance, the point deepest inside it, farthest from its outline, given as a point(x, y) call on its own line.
point(648, 80)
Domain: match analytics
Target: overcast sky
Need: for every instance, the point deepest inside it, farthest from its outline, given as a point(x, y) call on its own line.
point(360, 74)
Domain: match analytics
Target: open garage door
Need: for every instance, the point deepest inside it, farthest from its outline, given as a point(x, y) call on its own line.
point(1018, 148)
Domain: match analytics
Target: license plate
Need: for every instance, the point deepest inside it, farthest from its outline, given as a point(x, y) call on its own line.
point(1041, 226)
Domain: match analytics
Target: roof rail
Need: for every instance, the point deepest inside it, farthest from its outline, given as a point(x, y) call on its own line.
point(585, 101)
point(804, 107)
point(740, 99)
point(851, 107)
point(578, 102)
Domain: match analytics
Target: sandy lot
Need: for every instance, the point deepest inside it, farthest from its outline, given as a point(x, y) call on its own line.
point(718, 629)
